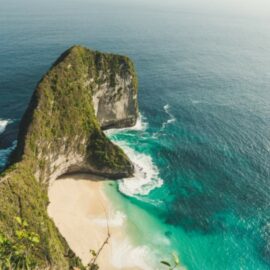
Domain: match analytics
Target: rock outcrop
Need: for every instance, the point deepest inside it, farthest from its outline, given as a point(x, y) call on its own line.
point(61, 132)
point(114, 92)
point(83, 92)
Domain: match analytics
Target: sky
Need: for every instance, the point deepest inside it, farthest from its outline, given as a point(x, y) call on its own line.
point(257, 8)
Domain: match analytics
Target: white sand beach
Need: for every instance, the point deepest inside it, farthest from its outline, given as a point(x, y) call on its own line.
point(81, 211)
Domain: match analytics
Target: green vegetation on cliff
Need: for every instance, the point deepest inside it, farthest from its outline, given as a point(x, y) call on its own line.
point(21, 195)
point(59, 134)
point(61, 117)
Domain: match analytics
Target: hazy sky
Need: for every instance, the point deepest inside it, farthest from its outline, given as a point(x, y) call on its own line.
point(233, 7)
point(255, 7)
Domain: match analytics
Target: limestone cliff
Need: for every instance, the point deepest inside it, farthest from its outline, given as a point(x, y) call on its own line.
point(114, 91)
point(61, 132)
point(60, 129)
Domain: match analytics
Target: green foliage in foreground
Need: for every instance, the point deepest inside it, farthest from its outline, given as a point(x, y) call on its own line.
point(17, 253)
point(21, 195)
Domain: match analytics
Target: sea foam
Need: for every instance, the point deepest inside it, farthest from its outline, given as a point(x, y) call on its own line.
point(125, 255)
point(4, 153)
point(141, 125)
point(3, 124)
point(171, 119)
point(116, 219)
point(146, 174)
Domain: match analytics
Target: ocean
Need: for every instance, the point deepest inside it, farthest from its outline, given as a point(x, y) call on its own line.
point(201, 147)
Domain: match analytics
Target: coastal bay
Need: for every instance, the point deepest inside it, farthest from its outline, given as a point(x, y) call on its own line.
point(201, 182)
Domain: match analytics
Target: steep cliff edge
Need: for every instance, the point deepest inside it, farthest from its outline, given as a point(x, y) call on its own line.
point(61, 132)
point(59, 128)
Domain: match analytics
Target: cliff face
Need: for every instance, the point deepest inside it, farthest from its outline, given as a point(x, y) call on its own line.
point(83, 92)
point(114, 92)
point(61, 132)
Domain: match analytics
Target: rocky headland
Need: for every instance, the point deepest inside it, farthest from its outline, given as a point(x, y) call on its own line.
point(60, 133)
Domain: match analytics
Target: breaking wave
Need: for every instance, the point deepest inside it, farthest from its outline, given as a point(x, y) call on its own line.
point(3, 124)
point(146, 174)
point(116, 219)
point(4, 153)
point(141, 125)
point(126, 255)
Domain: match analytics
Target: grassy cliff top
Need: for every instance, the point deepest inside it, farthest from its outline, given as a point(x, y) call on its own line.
point(62, 108)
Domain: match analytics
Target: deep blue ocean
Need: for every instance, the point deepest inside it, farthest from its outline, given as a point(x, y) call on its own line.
point(202, 149)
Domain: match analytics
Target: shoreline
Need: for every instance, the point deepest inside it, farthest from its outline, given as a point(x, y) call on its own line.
point(83, 214)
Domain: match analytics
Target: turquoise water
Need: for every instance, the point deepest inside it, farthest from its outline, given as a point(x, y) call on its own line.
point(203, 238)
point(202, 151)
